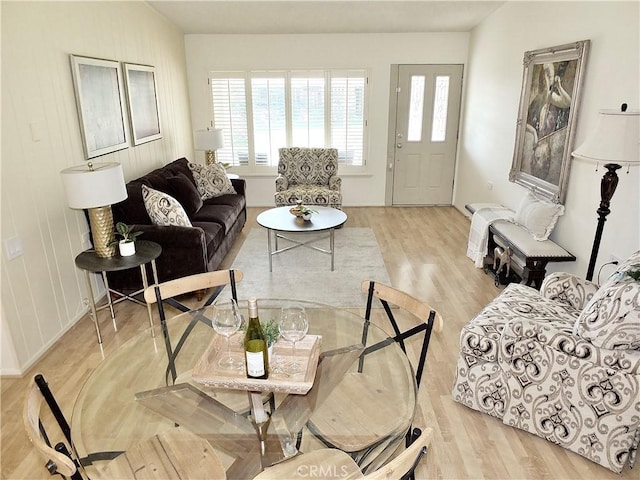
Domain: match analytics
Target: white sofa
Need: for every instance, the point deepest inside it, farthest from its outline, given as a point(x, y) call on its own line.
point(562, 363)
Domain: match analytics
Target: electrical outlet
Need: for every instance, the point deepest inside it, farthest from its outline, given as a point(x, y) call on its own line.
point(615, 258)
point(13, 247)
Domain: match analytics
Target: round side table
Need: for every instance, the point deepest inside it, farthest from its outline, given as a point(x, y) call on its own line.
point(146, 252)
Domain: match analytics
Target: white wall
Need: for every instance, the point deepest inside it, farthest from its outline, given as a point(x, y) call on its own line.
point(43, 291)
point(493, 86)
point(373, 52)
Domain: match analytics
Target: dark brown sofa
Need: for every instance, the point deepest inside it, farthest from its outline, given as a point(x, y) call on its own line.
point(185, 250)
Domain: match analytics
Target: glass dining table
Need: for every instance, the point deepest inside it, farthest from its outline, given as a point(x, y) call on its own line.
point(132, 394)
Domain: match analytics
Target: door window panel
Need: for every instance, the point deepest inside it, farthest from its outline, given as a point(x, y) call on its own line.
point(440, 107)
point(416, 107)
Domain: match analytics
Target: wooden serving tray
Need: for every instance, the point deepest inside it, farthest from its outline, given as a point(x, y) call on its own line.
point(207, 371)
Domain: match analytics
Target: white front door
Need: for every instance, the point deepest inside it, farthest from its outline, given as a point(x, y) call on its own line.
point(426, 133)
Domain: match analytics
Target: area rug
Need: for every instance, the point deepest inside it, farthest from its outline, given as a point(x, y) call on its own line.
point(305, 274)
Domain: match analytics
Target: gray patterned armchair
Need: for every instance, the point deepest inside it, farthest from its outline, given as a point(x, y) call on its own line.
point(562, 363)
point(310, 175)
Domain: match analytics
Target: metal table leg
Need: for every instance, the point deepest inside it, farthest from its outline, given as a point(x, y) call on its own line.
point(92, 304)
point(269, 246)
point(113, 313)
point(145, 284)
point(154, 271)
point(331, 236)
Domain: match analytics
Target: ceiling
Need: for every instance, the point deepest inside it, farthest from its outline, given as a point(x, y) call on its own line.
point(332, 16)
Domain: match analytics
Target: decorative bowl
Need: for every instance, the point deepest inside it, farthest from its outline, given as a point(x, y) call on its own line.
point(295, 212)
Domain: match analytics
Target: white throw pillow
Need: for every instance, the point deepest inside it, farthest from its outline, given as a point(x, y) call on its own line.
point(163, 209)
point(211, 180)
point(538, 216)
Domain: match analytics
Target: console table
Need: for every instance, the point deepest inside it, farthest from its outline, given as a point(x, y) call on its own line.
point(90, 262)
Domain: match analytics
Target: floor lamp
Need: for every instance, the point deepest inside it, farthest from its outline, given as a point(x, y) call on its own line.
point(209, 140)
point(96, 186)
point(614, 143)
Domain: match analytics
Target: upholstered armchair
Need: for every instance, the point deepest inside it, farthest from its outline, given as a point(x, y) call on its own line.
point(562, 363)
point(310, 175)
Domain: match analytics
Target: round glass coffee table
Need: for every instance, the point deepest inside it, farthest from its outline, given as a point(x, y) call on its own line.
point(279, 221)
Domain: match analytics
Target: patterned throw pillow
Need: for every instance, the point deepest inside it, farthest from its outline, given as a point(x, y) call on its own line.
point(163, 209)
point(612, 318)
point(211, 180)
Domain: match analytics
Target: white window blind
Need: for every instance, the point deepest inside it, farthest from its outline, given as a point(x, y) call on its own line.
point(261, 112)
point(269, 119)
point(347, 118)
point(307, 111)
point(230, 114)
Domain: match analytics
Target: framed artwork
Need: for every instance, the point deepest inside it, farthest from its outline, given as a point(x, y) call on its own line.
point(100, 102)
point(551, 87)
point(142, 95)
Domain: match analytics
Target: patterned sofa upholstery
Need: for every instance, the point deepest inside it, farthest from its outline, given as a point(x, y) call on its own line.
point(310, 175)
point(562, 363)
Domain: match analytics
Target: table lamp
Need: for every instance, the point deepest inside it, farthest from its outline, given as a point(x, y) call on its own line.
point(209, 140)
point(614, 143)
point(96, 186)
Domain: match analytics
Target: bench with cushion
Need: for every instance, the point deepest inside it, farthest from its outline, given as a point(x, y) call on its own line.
point(527, 238)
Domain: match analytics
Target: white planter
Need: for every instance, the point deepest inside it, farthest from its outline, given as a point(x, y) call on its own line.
point(270, 352)
point(306, 217)
point(127, 248)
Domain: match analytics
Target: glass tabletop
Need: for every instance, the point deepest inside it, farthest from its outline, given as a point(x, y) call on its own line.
point(108, 417)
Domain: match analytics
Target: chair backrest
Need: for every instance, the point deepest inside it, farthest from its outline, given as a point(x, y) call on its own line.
point(308, 166)
point(192, 283)
point(429, 318)
point(166, 291)
point(58, 458)
point(406, 461)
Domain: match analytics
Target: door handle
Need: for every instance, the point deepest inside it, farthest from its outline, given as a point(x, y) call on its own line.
point(398, 145)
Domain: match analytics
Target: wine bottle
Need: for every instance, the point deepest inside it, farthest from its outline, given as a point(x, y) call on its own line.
point(255, 345)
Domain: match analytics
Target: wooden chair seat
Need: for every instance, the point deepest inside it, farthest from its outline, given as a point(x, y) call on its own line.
point(333, 463)
point(357, 401)
point(373, 420)
point(174, 453)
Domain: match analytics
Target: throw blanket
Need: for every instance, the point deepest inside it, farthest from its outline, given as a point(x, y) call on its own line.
point(484, 216)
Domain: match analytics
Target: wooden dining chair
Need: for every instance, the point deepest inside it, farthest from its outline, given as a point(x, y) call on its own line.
point(167, 292)
point(333, 425)
point(59, 459)
point(336, 463)
point(174, 453)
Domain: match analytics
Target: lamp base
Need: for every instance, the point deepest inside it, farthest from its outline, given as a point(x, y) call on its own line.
point(101, 220)
point(608, 186)
point(210, 157)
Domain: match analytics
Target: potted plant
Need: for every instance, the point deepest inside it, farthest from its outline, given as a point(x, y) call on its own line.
point(271, 331)
point(127, 242)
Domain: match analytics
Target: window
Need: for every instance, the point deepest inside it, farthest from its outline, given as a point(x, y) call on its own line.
point(440, 107)
point(261, 112)
point(416, 106)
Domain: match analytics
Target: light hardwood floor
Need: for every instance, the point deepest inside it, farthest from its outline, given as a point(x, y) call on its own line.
point(424, 249)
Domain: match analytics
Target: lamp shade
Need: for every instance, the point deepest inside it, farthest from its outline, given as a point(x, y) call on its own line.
point(615, 139)
point(212, 139)
point(94, 185)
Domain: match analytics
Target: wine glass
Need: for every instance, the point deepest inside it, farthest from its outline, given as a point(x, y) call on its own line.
point(226, 321)
point(293, 326)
